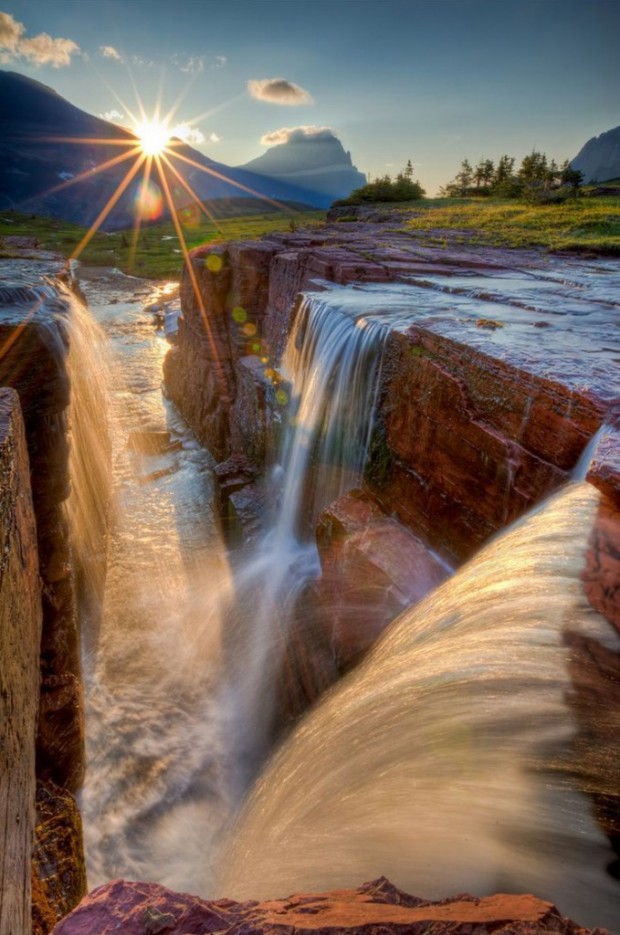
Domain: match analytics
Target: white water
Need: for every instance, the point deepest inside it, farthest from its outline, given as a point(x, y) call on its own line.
point(332, 360)
point(445, 761)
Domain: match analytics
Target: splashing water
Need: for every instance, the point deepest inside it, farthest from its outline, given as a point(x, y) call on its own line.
point(446, 760)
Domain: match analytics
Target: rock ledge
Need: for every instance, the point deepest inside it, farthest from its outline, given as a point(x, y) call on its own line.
point(377, 907)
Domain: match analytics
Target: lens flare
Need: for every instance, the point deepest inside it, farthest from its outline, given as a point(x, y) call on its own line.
point(149, 202)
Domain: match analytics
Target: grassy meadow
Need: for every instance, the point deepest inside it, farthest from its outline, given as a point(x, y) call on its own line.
point(157, 252)
point(585, 224)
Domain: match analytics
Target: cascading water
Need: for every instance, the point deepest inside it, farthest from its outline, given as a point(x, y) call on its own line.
point(332, 361)
point(447, 760)
point(444, 762)
point(152, 797)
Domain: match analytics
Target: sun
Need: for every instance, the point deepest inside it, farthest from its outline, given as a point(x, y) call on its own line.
point(153, 135)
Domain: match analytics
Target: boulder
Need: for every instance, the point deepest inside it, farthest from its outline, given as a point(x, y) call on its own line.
point(372, 569)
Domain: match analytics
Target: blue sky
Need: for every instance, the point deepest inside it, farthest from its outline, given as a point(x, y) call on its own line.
point(430, 80)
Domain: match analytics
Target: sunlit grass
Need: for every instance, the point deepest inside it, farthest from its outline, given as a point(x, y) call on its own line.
point(577, 224)
point(157, 252)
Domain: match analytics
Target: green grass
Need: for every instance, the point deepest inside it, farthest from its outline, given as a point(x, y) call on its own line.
point(158, 252)
point(583, 224)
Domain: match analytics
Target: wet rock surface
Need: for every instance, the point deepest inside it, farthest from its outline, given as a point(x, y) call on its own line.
point(148, 909)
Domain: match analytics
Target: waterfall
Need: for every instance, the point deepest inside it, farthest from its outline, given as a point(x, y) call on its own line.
point(447, 761)
point(153, 796)
point(332, 362)
point(89, 372)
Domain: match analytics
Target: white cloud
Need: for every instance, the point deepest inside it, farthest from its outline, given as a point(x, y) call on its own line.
point(214, 138)
point(297, 135)
point(40, 49)
point(278, 91)
point(113, 115)
point(220, 61)
point(108, 51)
point(188, 133)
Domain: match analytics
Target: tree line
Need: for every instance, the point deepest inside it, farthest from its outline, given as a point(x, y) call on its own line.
point(403, 188)
point(536, 177)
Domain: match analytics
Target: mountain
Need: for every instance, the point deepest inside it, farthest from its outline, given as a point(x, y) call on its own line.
point(311, 157)
point(599, 159)
point(45, 142)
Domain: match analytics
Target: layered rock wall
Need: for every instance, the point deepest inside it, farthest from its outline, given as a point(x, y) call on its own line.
point(486, 402)
point(33, 362)
point(20, 635)
point(44, 656)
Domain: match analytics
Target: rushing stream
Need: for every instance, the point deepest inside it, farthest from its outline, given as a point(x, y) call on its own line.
point(444, 762)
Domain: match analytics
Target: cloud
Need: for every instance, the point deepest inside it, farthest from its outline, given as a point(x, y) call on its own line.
point(40, 49)
point(188, 133)
point(220, 61)
point(215, 138)
point(278, 91)
point(10, 33)
point(108, 51)
point(192, 65)
point(112, 115)
point(297, 135)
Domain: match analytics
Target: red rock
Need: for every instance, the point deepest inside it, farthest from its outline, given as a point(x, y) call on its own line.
point(372, 569)
point(20, 633)
point(149, 909)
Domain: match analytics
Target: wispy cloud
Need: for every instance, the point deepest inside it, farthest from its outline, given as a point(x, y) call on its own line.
point(138, 60)
point(191, 65)
point(41, 49)
point(219, 61)
point(278, 91)
point(297, 135)
point(108, 51)
point(113, 115)
point(189, 134)
point(215, 138)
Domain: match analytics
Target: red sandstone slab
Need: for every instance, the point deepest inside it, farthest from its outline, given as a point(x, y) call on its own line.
point(150, 909)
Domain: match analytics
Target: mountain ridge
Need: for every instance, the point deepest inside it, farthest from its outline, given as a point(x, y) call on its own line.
point(35, 168)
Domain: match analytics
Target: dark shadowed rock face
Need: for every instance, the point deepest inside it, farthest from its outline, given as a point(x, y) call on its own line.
point(149, 909)
point(34, 342)
point(58, 870)
point(599, 159)
point(20, 632)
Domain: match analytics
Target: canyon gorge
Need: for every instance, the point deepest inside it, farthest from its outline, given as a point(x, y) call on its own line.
point(340, 603)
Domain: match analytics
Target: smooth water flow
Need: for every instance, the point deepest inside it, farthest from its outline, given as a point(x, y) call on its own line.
point(447, 761)
point(332, 362)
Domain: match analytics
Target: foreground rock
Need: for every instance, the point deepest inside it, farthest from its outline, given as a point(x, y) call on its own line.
point(20, 633)
point(149, 909)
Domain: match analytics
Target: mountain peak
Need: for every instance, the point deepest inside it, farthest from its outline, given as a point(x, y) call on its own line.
point(311, 156)
point(599, 159)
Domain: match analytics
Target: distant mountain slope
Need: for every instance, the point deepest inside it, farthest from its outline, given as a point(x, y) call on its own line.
point(34, 165)
point(599, 159)
point(312, 159)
